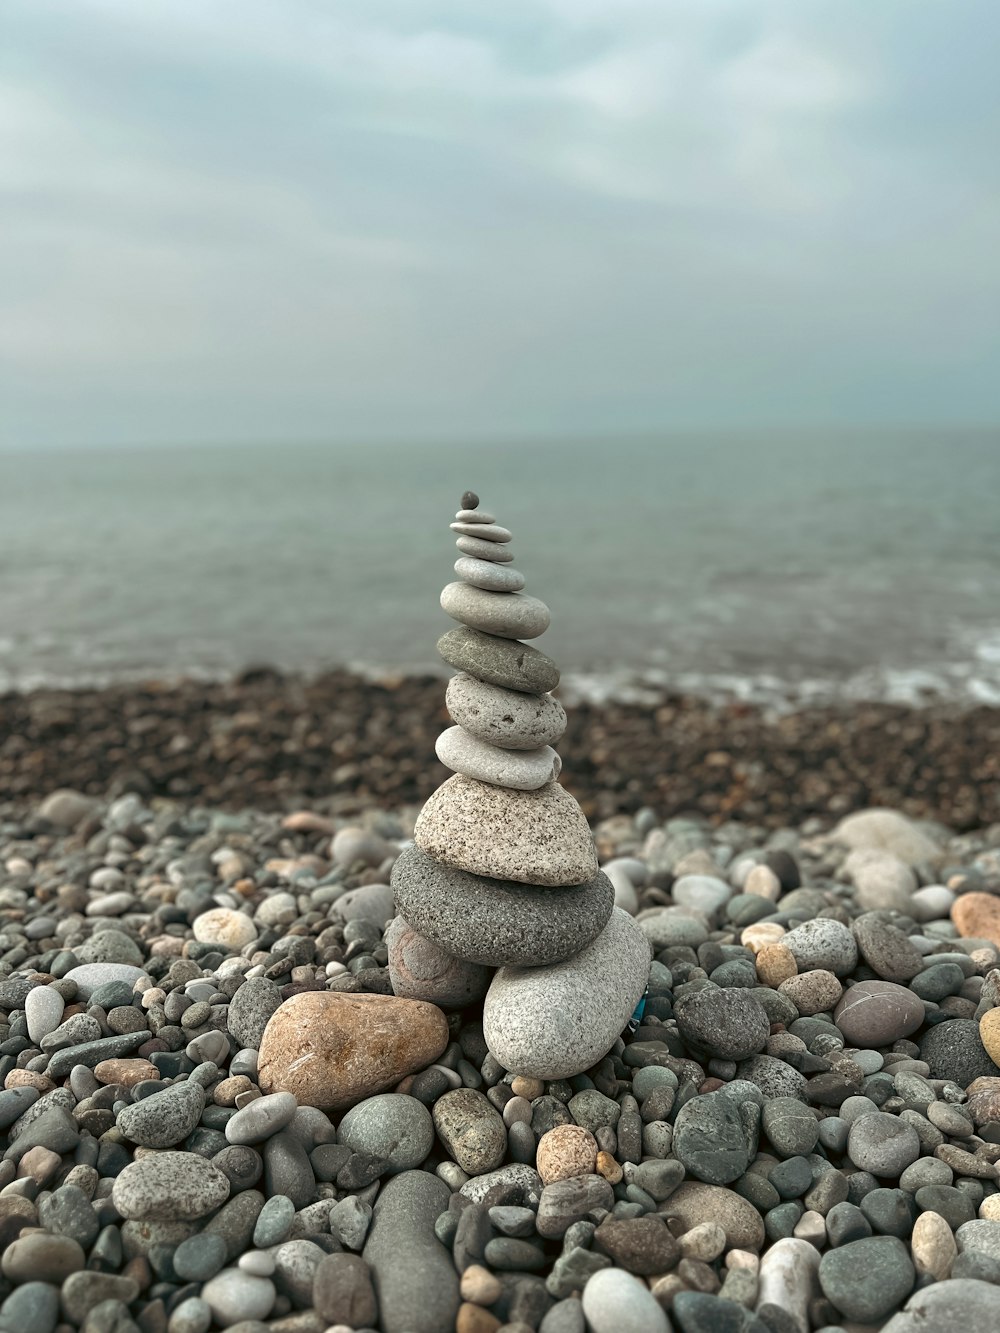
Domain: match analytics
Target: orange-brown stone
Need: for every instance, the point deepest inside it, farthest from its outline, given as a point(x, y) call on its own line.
point(977, 916)
point(330, 1049)
point(124, 1071)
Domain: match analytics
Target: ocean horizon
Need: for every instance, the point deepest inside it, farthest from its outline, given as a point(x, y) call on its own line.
point(775, 568)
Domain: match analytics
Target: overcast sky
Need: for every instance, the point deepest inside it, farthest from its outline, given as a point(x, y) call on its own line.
point(239, 219)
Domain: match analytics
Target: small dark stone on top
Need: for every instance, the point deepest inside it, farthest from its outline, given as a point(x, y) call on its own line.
point(470, 500)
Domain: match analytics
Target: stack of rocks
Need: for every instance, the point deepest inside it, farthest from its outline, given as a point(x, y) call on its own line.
point(504, 874)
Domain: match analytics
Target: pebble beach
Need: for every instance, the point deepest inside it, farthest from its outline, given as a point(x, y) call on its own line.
point(801, 1132)
point(488, 1056)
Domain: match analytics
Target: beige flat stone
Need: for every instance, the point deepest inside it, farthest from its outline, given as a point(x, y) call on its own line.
point(694, 1202)
point(532, 837)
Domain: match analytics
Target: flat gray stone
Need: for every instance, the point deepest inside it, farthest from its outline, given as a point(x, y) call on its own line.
point(484, 550)
point(534, 837)
point(487, 532)
point(110, 946)
point(414, 1278)
point(479, 549)
point(709, 1139)
point(261, 1118)
point(168, 1187)
point(391, 1126)
point(505, 662)
point(473, 515)
point(556, 1021)
point(511, 615)
point(882, 1144)
point(250, 1008)
point(497, 922)
point(865, 1279)
point(88, 976)
point(522, 770)
point(524, 1180)
point(91, 1053)
point(509, 719)
point(959, 1303)
point(166, 1118)
point(471, 1128)
point(489, 575)
point(571, 1200)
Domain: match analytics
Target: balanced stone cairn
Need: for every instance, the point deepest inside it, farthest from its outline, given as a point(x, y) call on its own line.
point(503, 874)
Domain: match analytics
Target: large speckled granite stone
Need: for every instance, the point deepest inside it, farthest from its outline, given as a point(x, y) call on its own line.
point(532, 837)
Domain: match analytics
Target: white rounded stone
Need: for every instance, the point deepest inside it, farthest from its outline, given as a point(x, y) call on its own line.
point(489, 575)
point(474, 516)
point(556, 1021)
point(234, 1295)
point(789, 1279)
point(509, 615)
point(43, 1011)
point(521, 770)
point(222, 925)
point(509, 719)
point(614, 1300)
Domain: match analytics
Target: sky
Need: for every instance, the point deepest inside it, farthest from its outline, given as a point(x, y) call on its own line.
point(230, 220)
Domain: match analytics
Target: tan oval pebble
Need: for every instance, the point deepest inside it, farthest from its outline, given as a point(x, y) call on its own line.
point(609, 1168)
point(977, 916)
point(989, 1034)
point(775, 964)
point(474, 1319)
point(761, 934)
point(480, 1286)
point(695, 1202)
point(706, 1242)
point(28, 1078)
point(812, 992)
point(984, 1099)
point(665, 1288)
point(564, 1152)
point(811, 1227)
point(226, 1092)
point(39, 1164)
point(224, 926)
point(126, 1072)
point(522, 1086)
point(990, 1208)
point(933, 1246)
point(763, 883)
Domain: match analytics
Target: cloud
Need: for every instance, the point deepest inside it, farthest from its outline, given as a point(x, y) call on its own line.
point(241, 218)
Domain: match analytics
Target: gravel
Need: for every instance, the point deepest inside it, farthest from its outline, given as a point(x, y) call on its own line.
point(149, 1181)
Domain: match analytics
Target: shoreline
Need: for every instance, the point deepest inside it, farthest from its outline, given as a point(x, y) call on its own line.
point(340, 742)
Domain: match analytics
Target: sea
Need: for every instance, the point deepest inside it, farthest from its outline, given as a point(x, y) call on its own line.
point(784, 569)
